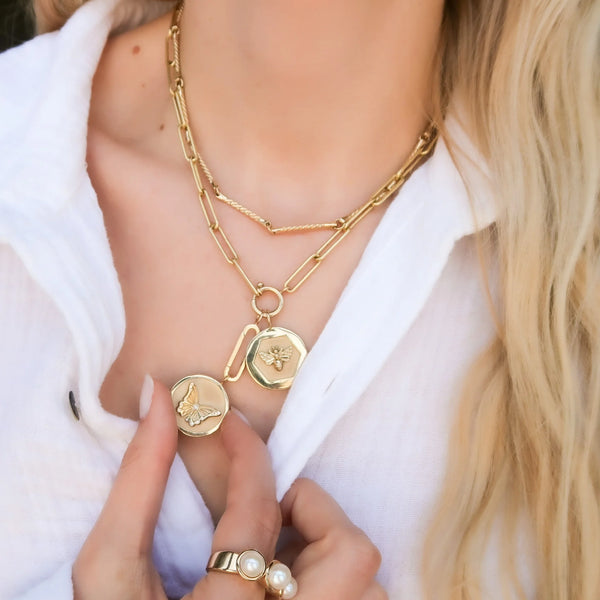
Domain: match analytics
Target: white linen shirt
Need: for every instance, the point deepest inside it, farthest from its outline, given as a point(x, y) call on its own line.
point(368, 416)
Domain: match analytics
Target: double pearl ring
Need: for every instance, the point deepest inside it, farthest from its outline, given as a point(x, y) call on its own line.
point(251, 565)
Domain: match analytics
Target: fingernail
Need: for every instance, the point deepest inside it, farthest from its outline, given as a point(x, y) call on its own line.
point(146, 396)
point(241, 415)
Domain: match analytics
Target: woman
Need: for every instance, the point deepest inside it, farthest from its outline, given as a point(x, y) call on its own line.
point(455, 423)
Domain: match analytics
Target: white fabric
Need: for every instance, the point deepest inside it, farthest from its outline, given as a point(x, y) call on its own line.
point(368, 417)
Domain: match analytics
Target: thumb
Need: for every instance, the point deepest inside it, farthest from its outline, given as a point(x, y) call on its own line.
point(130, 514)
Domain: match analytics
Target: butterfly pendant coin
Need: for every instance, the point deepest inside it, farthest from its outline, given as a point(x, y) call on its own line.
point(200, 403)
point(274, 356)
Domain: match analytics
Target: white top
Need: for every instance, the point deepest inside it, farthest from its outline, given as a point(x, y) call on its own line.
point(368, 416)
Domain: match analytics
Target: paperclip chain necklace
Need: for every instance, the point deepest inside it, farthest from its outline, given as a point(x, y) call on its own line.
point(273, 355)
point(267, 223)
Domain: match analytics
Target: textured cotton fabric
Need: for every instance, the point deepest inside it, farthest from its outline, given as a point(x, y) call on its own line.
point(368, 417)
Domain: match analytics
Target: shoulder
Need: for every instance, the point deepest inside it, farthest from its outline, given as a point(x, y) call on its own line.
point(43, 110)
point(49, 217)
point(45, 103)
point(26, 73)
point(130, 90)
point(36, 70)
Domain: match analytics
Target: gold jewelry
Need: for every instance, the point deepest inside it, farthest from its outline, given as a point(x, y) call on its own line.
point(201, 404)
point(251, 565)
point(267, 223)
point(274, 355)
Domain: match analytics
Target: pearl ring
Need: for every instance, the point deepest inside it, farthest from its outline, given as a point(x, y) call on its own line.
point(251, 565)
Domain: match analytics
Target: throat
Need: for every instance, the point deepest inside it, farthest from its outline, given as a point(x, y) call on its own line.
point(307, 105)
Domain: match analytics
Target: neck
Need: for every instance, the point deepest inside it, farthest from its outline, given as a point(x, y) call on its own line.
point(313, 103)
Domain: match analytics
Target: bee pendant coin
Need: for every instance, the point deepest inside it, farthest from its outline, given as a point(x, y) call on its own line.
point(201, 404)
point(274, 357)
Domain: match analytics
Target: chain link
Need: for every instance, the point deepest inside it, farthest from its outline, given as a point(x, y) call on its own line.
point(341, 227)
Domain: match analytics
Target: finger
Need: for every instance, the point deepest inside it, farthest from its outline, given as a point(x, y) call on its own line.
point(375, 592)
point(252, 518)
point(335, 546)
point(312, 511)
point(289, 545)
point(130, 514)
point(344, 569)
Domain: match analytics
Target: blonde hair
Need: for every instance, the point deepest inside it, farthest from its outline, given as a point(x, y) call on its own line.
point(526, 442)
point(52, 14)
point(525, 450)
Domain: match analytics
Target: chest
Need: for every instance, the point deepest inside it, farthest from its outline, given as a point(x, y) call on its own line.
point(387, 452)
point(186, 306)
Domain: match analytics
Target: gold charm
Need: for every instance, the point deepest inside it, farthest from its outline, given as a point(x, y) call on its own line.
point(277, 356)
point(201, 404)
point(192, 411)
point(274, 357)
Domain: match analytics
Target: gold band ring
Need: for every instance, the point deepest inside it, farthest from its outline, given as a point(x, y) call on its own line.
point(251, 566)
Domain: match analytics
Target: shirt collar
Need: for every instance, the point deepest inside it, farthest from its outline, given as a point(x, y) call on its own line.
point(404, 259)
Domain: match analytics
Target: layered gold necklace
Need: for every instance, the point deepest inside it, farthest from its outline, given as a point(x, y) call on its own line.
point(272, 355)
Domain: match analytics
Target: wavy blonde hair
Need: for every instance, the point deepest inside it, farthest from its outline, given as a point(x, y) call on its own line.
point(50, 15)
point(526, 443)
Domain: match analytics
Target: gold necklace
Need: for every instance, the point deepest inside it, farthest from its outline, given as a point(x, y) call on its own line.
point(273, 355)
point(267, 223)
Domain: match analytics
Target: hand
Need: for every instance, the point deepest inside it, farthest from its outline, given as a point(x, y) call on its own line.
point(115, 562)
point(338, 561)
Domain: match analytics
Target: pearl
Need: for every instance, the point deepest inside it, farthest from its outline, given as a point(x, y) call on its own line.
point(278, 576)
point(251, 564)
point(290, 590)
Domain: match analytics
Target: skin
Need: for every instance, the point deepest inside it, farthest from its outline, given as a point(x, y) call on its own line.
point(302, 109)
point(116, 559)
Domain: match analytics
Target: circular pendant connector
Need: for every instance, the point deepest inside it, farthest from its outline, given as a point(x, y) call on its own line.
point(267, 313)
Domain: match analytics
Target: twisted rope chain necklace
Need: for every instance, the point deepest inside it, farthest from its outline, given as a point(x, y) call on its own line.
point(273, 355)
